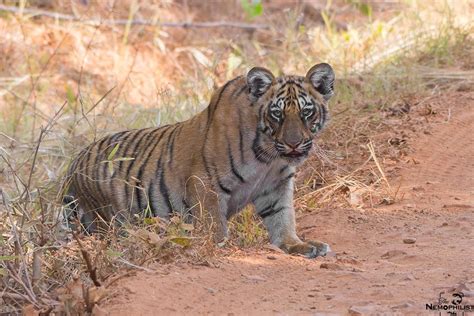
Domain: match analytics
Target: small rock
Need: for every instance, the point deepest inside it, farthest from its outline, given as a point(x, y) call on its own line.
point(460, 287)
point(408, 277)
point(402, 306)
point(331, 266)
point(311, 295)
point(393, 253)
point(211, 290)
point(468, 293)
point(362, 310)
point(409, 240)
point(271, 257)
point(254, 277)
point(444, 224)
point(464, 87)
point(329, 296)
point(369, 309)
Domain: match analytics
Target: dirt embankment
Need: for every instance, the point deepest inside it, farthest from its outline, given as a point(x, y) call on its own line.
point(391, 259)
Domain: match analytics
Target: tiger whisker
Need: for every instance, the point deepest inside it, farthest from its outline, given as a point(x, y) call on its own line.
point(322, 154)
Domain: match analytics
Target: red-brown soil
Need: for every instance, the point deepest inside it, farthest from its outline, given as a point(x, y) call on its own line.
point(372, 270)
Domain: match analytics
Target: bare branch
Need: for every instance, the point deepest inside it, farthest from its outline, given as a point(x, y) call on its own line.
point(96, 22)
point(87, 259)
point(14, 296)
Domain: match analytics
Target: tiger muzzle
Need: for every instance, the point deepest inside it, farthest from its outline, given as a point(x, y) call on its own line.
point(294, 150)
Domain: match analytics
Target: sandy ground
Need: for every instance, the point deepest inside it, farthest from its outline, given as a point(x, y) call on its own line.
point(392, 259)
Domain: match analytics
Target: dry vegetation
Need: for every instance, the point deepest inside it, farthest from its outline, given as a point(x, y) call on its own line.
point(64, 83)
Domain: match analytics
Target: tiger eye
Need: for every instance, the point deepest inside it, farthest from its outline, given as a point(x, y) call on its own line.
point(307, 112)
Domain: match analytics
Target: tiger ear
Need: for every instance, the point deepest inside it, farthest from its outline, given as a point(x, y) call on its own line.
point(321, 76)
point(259, 81)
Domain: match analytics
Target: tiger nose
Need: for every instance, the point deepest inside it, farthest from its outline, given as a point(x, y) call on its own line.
point(293, 144)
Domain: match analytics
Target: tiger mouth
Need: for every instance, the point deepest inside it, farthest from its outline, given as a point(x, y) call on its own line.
point(293, 154)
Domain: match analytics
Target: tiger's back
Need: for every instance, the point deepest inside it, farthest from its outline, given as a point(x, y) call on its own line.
point(129, 172)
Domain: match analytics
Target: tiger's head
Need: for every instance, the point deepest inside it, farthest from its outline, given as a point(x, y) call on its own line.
point(292, 111)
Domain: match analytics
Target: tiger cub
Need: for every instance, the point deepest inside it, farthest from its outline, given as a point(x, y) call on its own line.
point(242, 149)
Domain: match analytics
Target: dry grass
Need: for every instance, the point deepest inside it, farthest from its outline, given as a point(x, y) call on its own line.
point(63, 84)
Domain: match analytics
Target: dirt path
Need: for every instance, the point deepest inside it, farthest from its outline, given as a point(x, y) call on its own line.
point(373, 269)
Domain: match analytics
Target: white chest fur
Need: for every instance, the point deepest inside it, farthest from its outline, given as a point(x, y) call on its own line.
point(258, 177)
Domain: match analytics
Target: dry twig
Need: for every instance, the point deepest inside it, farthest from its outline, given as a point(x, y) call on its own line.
point(96, 22)
point(90, 268)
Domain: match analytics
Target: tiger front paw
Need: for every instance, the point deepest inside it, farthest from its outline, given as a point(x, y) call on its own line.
point(310, 249)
